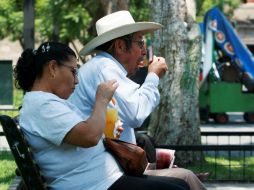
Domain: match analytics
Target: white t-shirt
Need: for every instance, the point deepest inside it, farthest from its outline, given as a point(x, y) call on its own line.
point(134, 102)
point(45, 120)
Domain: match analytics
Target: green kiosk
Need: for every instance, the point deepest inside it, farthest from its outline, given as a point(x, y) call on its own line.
point(6, 84)
point(227, 71)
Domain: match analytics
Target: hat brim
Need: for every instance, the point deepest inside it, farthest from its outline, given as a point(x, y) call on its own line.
point(143, 27)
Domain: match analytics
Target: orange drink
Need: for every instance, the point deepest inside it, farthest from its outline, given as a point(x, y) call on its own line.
point(111, 119)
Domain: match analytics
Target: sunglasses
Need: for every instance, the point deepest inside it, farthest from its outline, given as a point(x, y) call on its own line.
point(140, 43)
point(73, 69)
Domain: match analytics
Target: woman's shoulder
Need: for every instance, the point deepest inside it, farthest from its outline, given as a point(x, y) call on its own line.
point(43, 103)
point(40, 98)
point(40, 95)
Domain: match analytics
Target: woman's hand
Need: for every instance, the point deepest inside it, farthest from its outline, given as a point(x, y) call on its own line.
point(88, 133)
point(106, 90)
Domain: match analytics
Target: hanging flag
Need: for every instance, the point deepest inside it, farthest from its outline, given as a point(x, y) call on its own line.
point(226, 38)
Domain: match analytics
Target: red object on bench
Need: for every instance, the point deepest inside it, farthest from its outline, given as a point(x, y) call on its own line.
point(164, 158)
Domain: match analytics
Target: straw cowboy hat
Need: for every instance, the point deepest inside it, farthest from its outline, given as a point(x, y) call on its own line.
point(116, 25)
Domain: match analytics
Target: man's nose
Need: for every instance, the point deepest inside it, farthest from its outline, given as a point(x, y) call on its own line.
point(143, 51)
point(76, 80)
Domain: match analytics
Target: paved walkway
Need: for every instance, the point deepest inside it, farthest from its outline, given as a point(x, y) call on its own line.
point(236, 123)
point(230, 186)
point(3, 142)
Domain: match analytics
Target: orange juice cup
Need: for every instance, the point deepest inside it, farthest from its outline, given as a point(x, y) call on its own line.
point(111, 119)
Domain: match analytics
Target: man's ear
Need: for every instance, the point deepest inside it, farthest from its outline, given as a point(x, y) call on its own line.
point(120, 46)
point(52, 68)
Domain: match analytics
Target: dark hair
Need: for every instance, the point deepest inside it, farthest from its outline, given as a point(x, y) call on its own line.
point(30, 64)
point(108, 45)
point(128, 40)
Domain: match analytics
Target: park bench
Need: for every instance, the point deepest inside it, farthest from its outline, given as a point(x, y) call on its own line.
point(28, 175)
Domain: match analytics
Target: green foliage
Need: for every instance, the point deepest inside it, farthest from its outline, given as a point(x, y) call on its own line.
point(74, 19)
point(3, 31)
point(76, 22)
point(206, 5)
point(18, 96)
point(66, 20)
point(7, 169)
point(69, 17)
point(16, 25)
point(11, 19)
point(140, 9)
point(226, 6)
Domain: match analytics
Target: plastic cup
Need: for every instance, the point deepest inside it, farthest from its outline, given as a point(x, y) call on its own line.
point(111, 119)
point(164, 158)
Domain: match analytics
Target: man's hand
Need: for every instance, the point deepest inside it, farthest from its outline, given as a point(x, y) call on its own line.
point(158, 66)
point(119, 129)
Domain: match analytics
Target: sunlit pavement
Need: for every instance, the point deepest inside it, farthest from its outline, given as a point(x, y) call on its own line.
point(229, 186)
point(236, 123)
point(235, 120)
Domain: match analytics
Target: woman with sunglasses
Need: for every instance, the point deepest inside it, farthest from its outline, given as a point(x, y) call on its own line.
point(67, 147)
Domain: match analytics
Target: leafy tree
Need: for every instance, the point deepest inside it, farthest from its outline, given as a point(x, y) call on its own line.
point(140, 10)
point(65, 21)
point(54, 20)
point(62, 20)
point(11, 20)
point(226, 6)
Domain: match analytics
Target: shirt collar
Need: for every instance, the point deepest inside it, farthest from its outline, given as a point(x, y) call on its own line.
point(105, 54)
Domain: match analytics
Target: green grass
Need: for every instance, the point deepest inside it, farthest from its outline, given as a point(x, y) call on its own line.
point(17, 101)
point(7, 169)
point(7, 163)
point(18, 96)
point(224, 169)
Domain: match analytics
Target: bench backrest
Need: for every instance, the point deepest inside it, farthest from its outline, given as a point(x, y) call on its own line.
point(28, 169)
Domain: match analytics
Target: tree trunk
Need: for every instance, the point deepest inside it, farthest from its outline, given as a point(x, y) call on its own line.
point(29, 24)
point(56, 29)
point(176, 119)
point(117, 5)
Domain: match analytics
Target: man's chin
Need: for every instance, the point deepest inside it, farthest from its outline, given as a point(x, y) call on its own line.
point(141, 64)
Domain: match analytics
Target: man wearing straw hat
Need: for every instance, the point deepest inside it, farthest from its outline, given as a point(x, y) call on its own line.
point(120, 51)
point(120, 40)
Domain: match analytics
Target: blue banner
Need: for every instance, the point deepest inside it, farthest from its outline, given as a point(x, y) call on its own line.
point(228, 41)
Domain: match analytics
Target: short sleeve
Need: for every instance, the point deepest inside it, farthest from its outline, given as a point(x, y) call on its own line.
point(56, 120)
